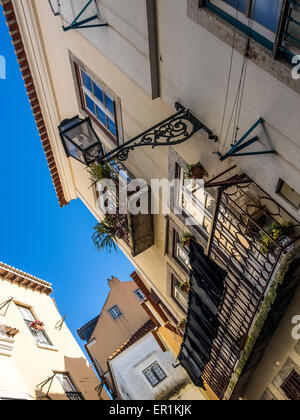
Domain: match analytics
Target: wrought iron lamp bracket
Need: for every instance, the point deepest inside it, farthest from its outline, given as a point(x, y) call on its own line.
point(176, 129)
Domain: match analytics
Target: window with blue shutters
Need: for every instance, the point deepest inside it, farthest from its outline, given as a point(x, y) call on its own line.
point(98, 102)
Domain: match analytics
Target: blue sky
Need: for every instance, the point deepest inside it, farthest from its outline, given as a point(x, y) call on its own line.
point(36, 235)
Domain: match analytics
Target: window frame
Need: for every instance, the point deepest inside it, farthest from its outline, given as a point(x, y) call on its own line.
point(111, 314)
point(142, 294)
point(78, 68)
point(159, 380)
point(240, 26)
point(280, 184)
point(35, 334)
point(72, 395)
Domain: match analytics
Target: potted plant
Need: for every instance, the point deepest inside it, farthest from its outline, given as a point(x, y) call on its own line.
point(185, 287)
point(195, 171)
point(107, 232)
point(276, 232)
point(37, 325)
point(186, 239)
point(100, 172)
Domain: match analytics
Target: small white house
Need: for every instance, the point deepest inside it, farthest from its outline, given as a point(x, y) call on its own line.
point(141, 370)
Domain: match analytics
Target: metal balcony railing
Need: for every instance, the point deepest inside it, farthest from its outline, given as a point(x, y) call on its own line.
point(243, 212)
point(40, 336)
point(75, 396)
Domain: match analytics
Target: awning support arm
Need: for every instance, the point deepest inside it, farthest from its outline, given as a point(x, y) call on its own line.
point(241, 145)
point(76, 24)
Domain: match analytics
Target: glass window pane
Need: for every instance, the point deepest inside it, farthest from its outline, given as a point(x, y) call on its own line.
point(112, 127)
point(267, 13)
point(240, 4)
point(26, 313)
point(90, 104)
point(98, 92)
point(101, 116)
point(87, 81)
point(110, 105)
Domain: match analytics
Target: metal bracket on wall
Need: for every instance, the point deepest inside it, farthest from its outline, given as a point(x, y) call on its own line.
point(40, 387)
point(5, 305)
point(60, 323)
point(176, 129)
point(82, 24)
point(242, 144)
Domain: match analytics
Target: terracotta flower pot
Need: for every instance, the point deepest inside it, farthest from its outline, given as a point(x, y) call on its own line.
point(198, 173)
point(38, 327)
point(186, 288)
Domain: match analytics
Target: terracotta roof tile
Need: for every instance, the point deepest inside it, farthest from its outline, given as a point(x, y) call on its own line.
point(144, 330)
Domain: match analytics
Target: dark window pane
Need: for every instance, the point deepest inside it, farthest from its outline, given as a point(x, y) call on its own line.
point(90, 104)
point(101, 116)
point(112, 127)
point(240, 4)
point(86, 80)
point(98, 92)
point(267, 13)
point(110, 105)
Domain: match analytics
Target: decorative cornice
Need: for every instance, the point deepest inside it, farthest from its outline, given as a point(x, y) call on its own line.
point(23, 279)
point(17, 40)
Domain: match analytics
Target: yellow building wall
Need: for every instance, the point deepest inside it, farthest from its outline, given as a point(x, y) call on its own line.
point(110, 334)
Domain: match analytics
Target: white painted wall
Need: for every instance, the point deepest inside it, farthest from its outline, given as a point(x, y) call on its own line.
point(194, 69)
point(128, 370)
point(125, 41)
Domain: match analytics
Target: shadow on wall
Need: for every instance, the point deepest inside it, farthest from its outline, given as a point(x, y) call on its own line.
point(82, 376)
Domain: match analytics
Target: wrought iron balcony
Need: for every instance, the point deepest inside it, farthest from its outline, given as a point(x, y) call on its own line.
point(241, 243)
point(75, 396)
point(40, 336)
point(136, 230)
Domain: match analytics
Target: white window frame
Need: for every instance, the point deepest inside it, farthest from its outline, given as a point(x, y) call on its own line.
point(159, 380)
point(111, 312)
point(141, 297)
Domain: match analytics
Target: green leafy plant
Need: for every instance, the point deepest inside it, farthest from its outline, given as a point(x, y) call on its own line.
point(100, 172)
point(186, 239)
point(107, 232)
point(190, 169)
point(274, 231)
point(185, 287)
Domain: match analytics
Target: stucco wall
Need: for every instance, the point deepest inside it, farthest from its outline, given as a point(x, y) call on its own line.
point(110, 334)
point(35, 364)
point(128, 370)
point(194, 69)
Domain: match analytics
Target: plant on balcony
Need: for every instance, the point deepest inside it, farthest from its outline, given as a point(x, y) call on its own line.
point(37, 325)
point(107, 232)
point(276, 232)
point(185, 287)
point(195, 171)
point(100, 172)
point(186, 239)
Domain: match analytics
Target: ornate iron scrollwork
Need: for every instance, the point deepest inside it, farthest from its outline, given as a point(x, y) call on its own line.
point(176, 129)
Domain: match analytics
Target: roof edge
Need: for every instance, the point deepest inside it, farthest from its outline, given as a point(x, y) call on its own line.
point(17, 41)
